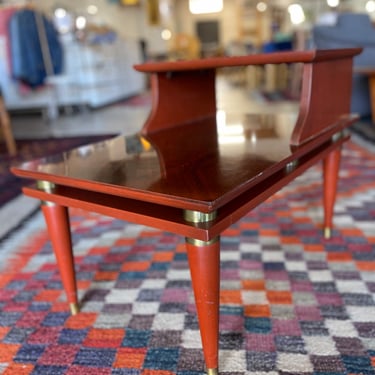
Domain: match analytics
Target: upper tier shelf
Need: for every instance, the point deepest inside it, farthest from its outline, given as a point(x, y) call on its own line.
point(308, 56)
point(182, 160)
point(184, 91)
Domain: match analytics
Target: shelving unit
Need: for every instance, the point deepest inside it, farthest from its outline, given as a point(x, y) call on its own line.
point(96, 75)
point(251, 23)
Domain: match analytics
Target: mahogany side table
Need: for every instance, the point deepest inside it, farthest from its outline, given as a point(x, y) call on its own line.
point(180, 175)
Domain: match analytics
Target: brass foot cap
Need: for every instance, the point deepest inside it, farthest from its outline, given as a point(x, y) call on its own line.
point(212, 371)
point(74, 308)
point(327, 233)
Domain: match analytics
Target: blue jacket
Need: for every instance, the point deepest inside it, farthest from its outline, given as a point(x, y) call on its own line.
point(27, 60)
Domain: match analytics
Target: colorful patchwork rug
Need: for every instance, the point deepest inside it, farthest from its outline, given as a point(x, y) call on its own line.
point(291, 302)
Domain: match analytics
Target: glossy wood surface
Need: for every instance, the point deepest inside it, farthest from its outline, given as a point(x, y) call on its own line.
point(183, 91)
point(255, 59)
point(172, 106)
point(57, 220)
point(171, 219)
point(204, 264)
point(206, 162)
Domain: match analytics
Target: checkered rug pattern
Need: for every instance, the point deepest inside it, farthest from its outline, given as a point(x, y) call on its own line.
point(291, 302)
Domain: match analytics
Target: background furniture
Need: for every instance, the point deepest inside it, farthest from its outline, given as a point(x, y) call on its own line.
point(15, 95)
point(369, 72)
point(98, 74)
point(179, 175)
point(352, 30)
point(184, 46)
point(93, 75)
point(6, 129)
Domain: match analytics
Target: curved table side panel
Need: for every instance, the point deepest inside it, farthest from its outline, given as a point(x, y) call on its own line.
point(325, 98)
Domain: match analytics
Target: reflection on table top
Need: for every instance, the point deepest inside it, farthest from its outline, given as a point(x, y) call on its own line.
point(201, 161)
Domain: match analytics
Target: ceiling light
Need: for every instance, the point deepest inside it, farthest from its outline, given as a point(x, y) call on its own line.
point(370, 6)
point(166, 34)
point(92, 9)
point(205, 6)
point(297, 15)
point(333, 3)
point(60, 12)
point(261, 6)
point(80, 22)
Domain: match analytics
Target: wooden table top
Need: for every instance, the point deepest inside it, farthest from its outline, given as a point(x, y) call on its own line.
point(191, 156)
point(204, 163)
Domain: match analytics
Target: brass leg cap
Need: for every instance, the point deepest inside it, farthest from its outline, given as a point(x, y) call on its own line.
point(212, 371)
point(327, 233)
point(74, 308)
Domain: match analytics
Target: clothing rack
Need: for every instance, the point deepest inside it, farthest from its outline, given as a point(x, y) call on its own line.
point(29, 4)
point(51, 103)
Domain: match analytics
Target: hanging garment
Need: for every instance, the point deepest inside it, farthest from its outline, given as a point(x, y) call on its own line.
point(6, 14)
point(36, 51)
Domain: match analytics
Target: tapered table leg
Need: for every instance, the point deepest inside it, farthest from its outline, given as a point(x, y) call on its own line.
point(330, 174)
point(58, 225)
point(57, 220)
point(204, 263)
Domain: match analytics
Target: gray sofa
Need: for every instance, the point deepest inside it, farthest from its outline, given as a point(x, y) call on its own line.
point(351, 30)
